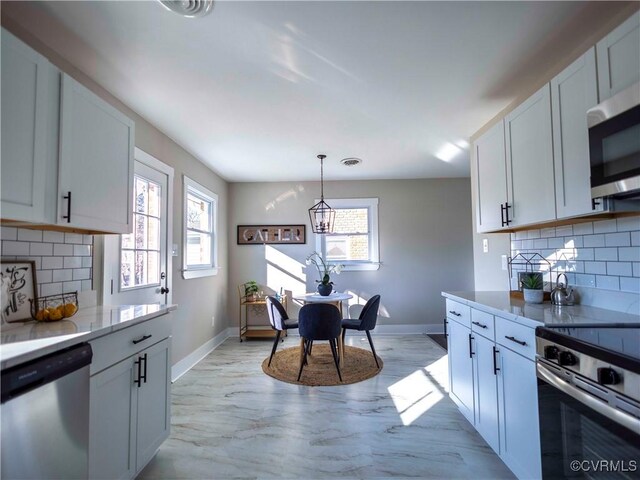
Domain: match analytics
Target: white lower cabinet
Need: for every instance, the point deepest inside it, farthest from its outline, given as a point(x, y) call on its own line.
point(129, 407)
point(492, 380)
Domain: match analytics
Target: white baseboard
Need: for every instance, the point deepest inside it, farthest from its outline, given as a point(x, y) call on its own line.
point(403, 329)
point(188, 362)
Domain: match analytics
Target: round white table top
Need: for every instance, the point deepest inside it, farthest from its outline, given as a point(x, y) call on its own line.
point(317, 298)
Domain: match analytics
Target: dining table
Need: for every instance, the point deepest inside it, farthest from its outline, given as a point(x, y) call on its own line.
point(335, 298)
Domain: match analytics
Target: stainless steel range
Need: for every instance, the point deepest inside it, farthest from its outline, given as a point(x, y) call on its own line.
point(589, 401)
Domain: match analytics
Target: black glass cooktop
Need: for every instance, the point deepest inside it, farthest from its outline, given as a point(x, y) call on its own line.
point(617, 344)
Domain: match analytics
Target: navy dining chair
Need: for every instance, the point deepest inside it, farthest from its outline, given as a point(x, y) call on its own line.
point(365, 322)
point(279, 320)
point(319, 321)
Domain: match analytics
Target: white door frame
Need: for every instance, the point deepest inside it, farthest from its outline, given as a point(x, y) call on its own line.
point(146, 159)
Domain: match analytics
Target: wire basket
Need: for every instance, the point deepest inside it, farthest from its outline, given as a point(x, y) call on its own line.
point(54, 307)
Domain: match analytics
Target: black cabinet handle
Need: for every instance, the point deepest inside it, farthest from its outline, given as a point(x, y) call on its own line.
point(495, 361)
point(502, 214)
point(68, 215)
point(479, 324)
point(144, 374)
point(470, 346)
point(164, 290)
point(514, 339)
point(507, 221)
point(455, 313)
point(142, 339)
point(445, 328)
point(595, 203)
point(138, 380)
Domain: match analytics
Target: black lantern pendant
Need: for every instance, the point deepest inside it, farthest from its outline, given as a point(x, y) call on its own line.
point(322, 215)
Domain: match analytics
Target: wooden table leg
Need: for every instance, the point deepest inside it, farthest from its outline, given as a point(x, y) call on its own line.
point(340, 350)
point(301, 350)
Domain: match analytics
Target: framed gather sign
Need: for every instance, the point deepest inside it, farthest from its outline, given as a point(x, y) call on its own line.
point(271, 234)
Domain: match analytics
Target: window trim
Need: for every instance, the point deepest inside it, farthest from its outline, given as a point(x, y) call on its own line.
point(191, 186)
point(357, 265)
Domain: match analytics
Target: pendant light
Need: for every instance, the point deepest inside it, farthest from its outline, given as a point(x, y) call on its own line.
point(322, 215)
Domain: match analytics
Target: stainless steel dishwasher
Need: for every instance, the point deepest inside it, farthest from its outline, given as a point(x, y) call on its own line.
point(45, 416)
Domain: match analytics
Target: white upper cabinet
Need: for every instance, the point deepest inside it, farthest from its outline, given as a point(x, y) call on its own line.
point(490, 174)
point(529, 154)
point(573, 92)
point(619, 58)
point(95, 181)
point(25, 130)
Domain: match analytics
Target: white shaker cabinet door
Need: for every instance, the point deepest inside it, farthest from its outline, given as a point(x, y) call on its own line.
point(619, 58)
point(154, 402)
point(96, 162)
point(530, 160)
point(486, 392)
point(25, 111)
point(490, 175)
point(518, 407)
point(461, 368)
point(573, 92)
point(112, 423)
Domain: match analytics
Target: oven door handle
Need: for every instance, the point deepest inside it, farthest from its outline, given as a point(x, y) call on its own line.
point(618, 416)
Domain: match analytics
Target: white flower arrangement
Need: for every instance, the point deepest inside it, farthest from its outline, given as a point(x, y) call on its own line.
point(324, 270)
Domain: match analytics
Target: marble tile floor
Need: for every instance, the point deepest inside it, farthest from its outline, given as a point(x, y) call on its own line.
point(230, 420)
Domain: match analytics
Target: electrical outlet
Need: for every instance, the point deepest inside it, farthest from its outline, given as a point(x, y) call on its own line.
point(213, 320)
point(485, 245)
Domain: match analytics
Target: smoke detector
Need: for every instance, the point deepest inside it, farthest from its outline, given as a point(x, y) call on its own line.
point(189, 8)
point(351, 161)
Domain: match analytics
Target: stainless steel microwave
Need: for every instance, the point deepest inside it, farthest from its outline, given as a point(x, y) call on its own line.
point(614, 145)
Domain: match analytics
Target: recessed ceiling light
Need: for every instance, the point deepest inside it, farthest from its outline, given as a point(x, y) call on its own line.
point(351, 161)
point(189, 8)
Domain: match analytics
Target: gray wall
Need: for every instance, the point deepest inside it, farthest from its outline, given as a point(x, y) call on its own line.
point(198, 299)
point(425, 243)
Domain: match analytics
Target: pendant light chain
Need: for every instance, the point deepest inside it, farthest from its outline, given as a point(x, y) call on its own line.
point(322, 216)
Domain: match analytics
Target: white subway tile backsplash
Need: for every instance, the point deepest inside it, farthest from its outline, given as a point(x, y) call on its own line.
point(72, 262)
point(621, 269)
point(584, 280)
point(629, 254)
point(606, 253)
point(629, 284)
point(628, 223)
point(62, 260)
point(39, 248)
point(607, 283)
point(73, 238)
point(583, 228)
point(593, 241)
point(15, 248)
point(635, 239)
point(62, 250)
point(555, 242)
point(81, 273)
point(8, 233)
point(53, 237)
point(527, 244)
point(81, 250)
point(605, 226)
point(521, 235)
point(26, 235)
point(51, 262)
point(540, 243)
point(595, 267)
point(548, 232)
point(622, 239)
point(62, 275)
point(564, 231)
point(585, 254)
point(532, 234)
point(50, 289)
point(575, 242)
point(44, 276)
point(636, 269)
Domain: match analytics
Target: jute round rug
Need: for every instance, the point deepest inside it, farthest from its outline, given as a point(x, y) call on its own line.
point(358, 365)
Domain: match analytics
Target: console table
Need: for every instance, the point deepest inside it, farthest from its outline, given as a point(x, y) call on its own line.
point(253, 331)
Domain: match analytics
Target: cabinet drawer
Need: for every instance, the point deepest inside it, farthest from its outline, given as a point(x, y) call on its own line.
point(459, 312)
point(516, 337)
point(114, 347)
point(482, 324)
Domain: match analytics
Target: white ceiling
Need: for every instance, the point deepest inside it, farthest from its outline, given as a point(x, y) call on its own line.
point(256, 89)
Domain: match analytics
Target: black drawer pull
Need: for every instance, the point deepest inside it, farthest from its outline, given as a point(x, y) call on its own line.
point(144, 374)
point(470, 346)
point(514, 339)
point(479, 324)
point(138, 380)
point(142, 339)
point(445, 328)
point(452, 312)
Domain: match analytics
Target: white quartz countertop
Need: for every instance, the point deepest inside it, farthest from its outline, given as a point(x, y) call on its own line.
point(536, 315)
point(24, 341)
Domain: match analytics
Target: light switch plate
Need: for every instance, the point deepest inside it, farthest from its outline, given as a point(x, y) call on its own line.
point(485, 245)
point(174, 250)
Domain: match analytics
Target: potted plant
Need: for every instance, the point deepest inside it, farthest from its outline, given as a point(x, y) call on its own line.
point(251, 290)
point(325, 285)
point(532, 287)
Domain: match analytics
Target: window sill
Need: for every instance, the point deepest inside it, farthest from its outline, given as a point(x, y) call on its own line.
point(204, 272)
point(361, 267)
